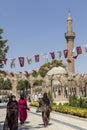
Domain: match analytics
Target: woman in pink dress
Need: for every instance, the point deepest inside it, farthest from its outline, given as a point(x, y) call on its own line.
point(22, 103)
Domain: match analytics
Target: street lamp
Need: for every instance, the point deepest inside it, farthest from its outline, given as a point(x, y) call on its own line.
point(50, 77)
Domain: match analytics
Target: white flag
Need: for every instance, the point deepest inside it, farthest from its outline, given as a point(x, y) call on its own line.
point(12, 63)
point(29, 60)
point(45, 56)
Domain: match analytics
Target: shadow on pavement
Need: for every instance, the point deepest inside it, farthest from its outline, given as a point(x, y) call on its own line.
point(24, 127)
point(42, 126)
point(29, 127)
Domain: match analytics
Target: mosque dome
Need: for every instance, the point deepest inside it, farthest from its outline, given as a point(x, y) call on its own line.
point(57, 70)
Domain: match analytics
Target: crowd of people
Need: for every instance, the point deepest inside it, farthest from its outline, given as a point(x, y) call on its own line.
point(17, 111)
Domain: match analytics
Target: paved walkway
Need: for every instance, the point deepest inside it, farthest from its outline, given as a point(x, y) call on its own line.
point(58, 121)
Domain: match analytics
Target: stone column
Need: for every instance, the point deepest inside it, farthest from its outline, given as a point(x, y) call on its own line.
point(14, 86)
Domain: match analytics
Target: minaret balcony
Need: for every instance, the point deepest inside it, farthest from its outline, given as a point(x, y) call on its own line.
point(70, 35)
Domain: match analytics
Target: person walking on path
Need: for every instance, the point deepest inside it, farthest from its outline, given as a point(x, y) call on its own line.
point(46, 109)
point(11, 120)
point(23, 107)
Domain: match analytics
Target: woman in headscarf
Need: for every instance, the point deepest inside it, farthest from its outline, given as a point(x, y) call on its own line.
point(23, 107)
point(11, 120)
point(46, 109)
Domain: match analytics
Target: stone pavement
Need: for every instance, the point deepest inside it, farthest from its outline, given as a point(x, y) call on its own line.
point(58, 121)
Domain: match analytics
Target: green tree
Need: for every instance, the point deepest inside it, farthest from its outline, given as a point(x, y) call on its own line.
point(27, 86)
point(22, 86)
point(38, 82)
point(1, 83)
point(3, 48)
point(5, 84)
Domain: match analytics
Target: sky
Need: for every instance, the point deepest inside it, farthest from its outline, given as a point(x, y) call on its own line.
point(35, 27)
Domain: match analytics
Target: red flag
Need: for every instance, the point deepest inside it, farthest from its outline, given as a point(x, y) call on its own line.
point(66, 53)
point(36, 58)
point(5, 60)
point(21, 61)
point(69, 61)
point(52, 55)
point(75, 57)
point(79, 50)
point(11, 74)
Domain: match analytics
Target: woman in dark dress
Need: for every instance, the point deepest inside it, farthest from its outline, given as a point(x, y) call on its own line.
point(11, 120)
point(46, 109)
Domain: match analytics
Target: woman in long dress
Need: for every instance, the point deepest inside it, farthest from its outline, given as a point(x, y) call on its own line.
point(11, 120)
point(46, 109)
point(23, 107)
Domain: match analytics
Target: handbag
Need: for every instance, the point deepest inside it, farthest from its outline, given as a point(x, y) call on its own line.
point(49, 108)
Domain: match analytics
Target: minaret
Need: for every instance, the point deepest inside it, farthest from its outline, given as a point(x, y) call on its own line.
point(70, 35)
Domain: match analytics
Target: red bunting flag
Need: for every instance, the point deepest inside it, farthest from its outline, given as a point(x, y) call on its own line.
point(69, 61)
point(79, 50)
point(75, 57)
point(52, 55)
point(26, 73)
point(12, 74)
point(36, 58)
point(65, 53)
point(5, 60)
point(21, 61)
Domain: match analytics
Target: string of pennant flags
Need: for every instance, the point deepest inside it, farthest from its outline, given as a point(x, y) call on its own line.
point(78, 50)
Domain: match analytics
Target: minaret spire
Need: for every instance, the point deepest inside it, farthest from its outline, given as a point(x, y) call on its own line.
point(70, 35)
point(69, 15)
point(69, 22)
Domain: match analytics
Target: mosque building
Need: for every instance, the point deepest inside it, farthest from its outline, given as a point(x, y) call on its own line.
point(65, 82)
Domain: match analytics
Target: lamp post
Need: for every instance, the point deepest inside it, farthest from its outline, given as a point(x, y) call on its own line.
point(50, 77)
